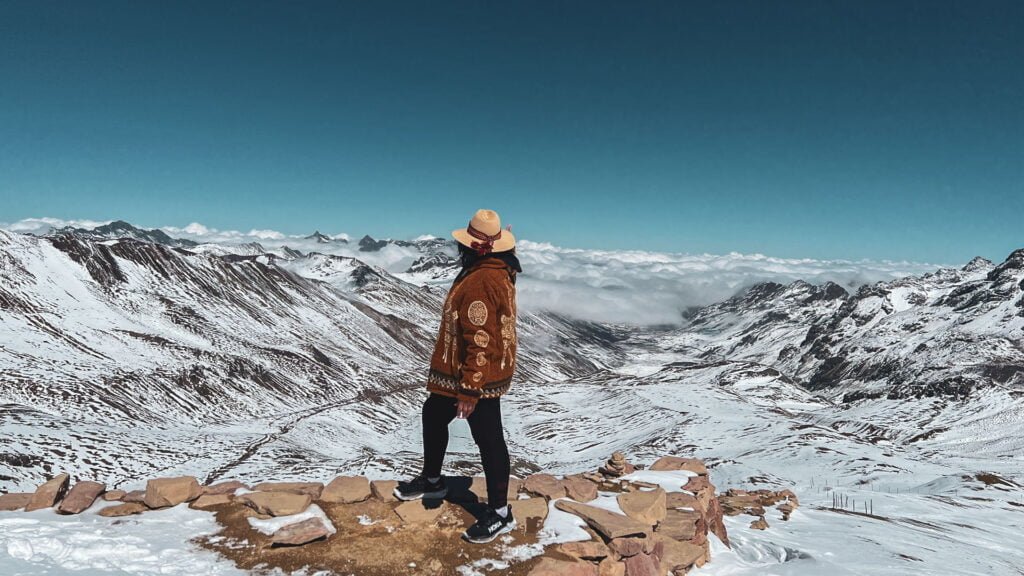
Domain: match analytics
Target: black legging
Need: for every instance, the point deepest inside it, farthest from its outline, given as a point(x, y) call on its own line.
point(485, 424)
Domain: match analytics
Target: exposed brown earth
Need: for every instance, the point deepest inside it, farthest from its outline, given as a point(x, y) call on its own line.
point(384, 548)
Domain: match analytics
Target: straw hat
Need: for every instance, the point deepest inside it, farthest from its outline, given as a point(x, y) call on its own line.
point(484, 233)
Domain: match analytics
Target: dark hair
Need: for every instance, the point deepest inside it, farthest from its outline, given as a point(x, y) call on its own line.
point(468, 257)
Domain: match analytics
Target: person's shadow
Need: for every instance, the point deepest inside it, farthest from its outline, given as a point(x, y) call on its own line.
point(459, 493)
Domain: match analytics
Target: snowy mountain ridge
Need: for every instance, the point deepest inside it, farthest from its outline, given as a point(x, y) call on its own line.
point(133, 357)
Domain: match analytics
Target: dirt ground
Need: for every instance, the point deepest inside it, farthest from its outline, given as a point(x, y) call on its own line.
point(384, 548)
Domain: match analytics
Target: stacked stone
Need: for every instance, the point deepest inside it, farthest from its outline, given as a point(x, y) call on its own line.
point(694, 512)
point(616, 466)
point(658, 533)
point(752, 503)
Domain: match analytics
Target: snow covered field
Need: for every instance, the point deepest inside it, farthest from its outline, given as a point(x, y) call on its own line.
point(943, 520)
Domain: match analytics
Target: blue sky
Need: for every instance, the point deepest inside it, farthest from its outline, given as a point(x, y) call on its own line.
point(795, 129)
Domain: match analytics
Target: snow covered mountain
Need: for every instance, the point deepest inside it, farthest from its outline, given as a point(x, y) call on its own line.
point(125, 355)
point(141, 335)
point(947, 333)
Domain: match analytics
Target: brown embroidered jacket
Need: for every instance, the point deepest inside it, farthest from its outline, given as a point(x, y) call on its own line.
point(475, 353)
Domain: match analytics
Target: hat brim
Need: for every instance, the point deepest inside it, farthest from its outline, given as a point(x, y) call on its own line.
point(506, 242)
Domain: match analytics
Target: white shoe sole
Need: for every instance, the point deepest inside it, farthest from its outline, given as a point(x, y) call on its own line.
point(506, 529)
point(429, 495)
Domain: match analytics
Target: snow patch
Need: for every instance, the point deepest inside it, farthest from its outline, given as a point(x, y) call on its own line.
point(669, 480)
point(271, 525)
point(44, 542)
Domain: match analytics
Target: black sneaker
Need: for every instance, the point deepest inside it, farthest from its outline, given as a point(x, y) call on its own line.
point(489, 526)
point(420, 487)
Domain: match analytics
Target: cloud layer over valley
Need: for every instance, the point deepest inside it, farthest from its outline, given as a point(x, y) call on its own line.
point(602, 285)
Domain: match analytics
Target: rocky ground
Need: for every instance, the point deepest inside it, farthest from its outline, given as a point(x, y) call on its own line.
point(616, 520)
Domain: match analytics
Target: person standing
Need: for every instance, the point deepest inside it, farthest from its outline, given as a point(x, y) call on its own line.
point(471, 368)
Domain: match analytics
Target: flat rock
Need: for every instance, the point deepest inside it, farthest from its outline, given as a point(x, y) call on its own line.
point(739, 501)
point(210, 500)
point(647, 507)
point(276, 503)
point(759, 524)
point(611, 567)
point(167, 492)
point(683, 500)
point(226, 487)
point(313, 489)
point(668, 463)
point(49, 493)
point(530, 511)
point(642, 565)
point(631, 545)
point(14, 501)
point(347, 490)
point(696, 484)
point(544, 485)
point(609, 524)
point(81, 497)
point(301, 533)
point(126, 509)
point(579, 488)
point(679, 524)
point(553, 567)
point(384, 490)
point(414, 512)
point(675, 554)
point(134, 496)
point(477, 491)
point(706, 557)
point(588, 550)
point(113, 495)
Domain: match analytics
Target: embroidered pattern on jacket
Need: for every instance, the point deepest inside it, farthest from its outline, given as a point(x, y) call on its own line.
point(443, 383)
point(477, 313)
point(447, 327)
point(455, 339)
point(481, 339)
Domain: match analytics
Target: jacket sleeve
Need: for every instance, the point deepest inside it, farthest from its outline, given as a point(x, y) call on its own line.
point(478, 323)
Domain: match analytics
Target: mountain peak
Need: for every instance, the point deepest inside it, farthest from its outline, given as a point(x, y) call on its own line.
point(116, 226)
point(977, 263)
point(1013, 264)
point(119, 229)
point(368, 244)
point(321, 238)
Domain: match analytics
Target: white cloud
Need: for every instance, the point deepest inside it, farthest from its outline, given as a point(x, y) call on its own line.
point(44, 225)
point(267, 234)
point(197, 229)
point(655, 287)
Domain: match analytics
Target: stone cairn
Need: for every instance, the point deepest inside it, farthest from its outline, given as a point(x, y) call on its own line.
point(658, 532)
point(616, 466)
